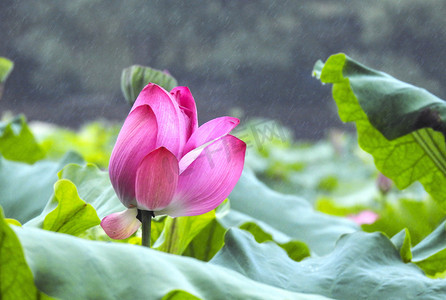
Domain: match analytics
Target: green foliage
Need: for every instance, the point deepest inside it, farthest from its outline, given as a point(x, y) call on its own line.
point(402, 242)
point(208, 242)
point(6, 67)
point(115, 270)
point(328, 183)
point(93, 187)
point(420, 217)
point(362, 265)
point(25, 189)
point(395, 122)
point(331, 167)
point(135, 78)
point(179, 232)
point(286, 215)
point(94, 141)
point(179, 295)
point(292, 251)
point(15, 276)
point(296, 250)
point(71, 215)
point(430, 254)
point(18, 143)
point(396, 212)
point(13, 222)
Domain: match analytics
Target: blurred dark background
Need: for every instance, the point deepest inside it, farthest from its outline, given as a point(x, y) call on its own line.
point(254, 57)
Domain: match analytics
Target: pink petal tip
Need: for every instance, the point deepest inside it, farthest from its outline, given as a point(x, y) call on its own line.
point(121, 225)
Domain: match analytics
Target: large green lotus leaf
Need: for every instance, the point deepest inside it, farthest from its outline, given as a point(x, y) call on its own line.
point(25, 189)
point(296, 250)
point(16, 279)
point(67, 267)
point(362, 266)
point(71, 214)
point(179, 232)
point(6, 67)
point(211, 238)
point(402, 126)
point(17, 142)
point(430, 253)
point(93, 187)
point(135, 78)
point(207, 242)
point(290, 215)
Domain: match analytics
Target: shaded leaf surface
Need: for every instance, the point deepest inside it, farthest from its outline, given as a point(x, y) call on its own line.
point(291, 215)
point(430, 253)
point(296, 250)
point(362, 266)
point(25, 189)
point(93, 186)
point(179, 232)
point(99, 270)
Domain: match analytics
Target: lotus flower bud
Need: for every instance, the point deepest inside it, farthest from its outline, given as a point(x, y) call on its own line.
point(384, 184)
point(164, 163)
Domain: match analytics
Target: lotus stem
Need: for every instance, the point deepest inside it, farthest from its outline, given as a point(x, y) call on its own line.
point(146, 220)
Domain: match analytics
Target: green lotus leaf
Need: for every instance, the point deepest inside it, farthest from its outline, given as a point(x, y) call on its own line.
point(17, 142)
point(179, 295)
point(207, 242)
point(135, 78)
point(402, 126)
point(402, 242)
point(6, 67)
point(179, 232)
point(71, 214)
point(430, 253)
point(362, 266)
point(296, 250)
point(16, 277)
point(25, 189)
point(286, 217)
point(68, 267)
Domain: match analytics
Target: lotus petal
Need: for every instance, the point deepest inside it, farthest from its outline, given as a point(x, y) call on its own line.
point(209, 131)
point(136, 139)
point(156, 180)
point(121, 225)
point(171, 121)
point(187, 105)
point(209, 179)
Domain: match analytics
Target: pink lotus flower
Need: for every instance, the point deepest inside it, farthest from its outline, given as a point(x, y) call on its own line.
point(164, 163)
point(364, 217)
